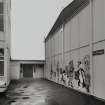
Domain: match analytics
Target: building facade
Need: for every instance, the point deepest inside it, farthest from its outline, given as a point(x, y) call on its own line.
point(5, 31)
point(13, 69)
point(75, 48)
point(25, 69)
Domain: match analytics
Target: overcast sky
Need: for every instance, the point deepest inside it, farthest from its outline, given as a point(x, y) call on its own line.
point(31, 22)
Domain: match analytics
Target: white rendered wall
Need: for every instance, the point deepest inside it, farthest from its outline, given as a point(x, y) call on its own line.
point(15, 70)
point(39, 72)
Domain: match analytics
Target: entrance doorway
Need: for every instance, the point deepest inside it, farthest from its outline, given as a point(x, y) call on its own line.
point(27, 70)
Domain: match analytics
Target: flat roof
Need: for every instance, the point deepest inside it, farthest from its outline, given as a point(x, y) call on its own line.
point(66, 13)
point(29, 61)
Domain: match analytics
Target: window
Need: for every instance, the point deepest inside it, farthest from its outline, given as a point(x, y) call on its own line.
point(1, 8)
point(1, 52)
point(1, 17)
point(1, 23)
point(1, 62)
point(1, 68)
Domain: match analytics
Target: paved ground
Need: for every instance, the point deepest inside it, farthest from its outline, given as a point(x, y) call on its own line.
point(43, 92)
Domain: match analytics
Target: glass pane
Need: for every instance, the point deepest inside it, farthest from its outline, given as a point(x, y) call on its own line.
point(1, 23)
point(1, 8)
point(1, 58)
point(1, 68)
point(1, 52)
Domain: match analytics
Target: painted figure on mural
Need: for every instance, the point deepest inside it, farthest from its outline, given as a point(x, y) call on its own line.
point(86, 62)
point(71, 73)
point(67, 76)
point(61, 73)
point(74, 76)
point(57, 72)
point(64, 77)
point(51, 72)
point(54, 75)
point(81, 75)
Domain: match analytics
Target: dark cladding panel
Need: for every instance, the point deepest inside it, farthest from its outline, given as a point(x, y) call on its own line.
point(1, 23)
point(1, 68)
point(1, 8)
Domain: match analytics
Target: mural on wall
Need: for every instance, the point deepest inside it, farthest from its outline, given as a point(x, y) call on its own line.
point(71, 74)
point(86, 62)
point(80, 75)
point(57, 72)
point(51, 72)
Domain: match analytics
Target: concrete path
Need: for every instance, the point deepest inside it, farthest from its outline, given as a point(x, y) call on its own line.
point(43, 92)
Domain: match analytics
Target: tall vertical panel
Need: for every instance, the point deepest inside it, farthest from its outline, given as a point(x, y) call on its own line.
point(1, 44)
point(99, 19)
point(2, 36)
point(56, 43)
point(67, 36)
point(60, 41)
point(74, 56)
point(60, 67)
point(50, 49)
point(66, 59)
point(51, 46)
point(54, 39)
point(56, 67)
point(46, 49)
point(85, 65)
point(46, 69)
point(99, 71)
point(53, 68)
point(84, 23)
point(74, 39)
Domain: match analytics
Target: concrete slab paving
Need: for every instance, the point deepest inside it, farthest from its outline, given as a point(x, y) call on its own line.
point(44, 92)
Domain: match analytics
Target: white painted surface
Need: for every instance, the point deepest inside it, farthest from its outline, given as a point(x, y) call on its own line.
point(60, 40)
point(84, 25)
point(99, 19)
point(2, 44)
point(39, 72)
point(99, 71)
point(74, 35)
point(2, 36)
point(15, 70)
point(67, 34)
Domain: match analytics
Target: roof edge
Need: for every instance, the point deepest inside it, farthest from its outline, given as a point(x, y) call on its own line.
point(63, 16)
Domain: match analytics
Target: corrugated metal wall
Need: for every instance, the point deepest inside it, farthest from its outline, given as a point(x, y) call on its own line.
point(70, 45)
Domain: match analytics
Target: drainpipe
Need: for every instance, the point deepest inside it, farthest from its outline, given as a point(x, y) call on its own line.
point(91, 47)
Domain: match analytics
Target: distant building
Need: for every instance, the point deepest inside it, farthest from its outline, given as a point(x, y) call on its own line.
point(75, 48)
point(22, 69)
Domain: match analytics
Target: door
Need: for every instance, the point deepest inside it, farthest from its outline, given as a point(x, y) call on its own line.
point(27, 70)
